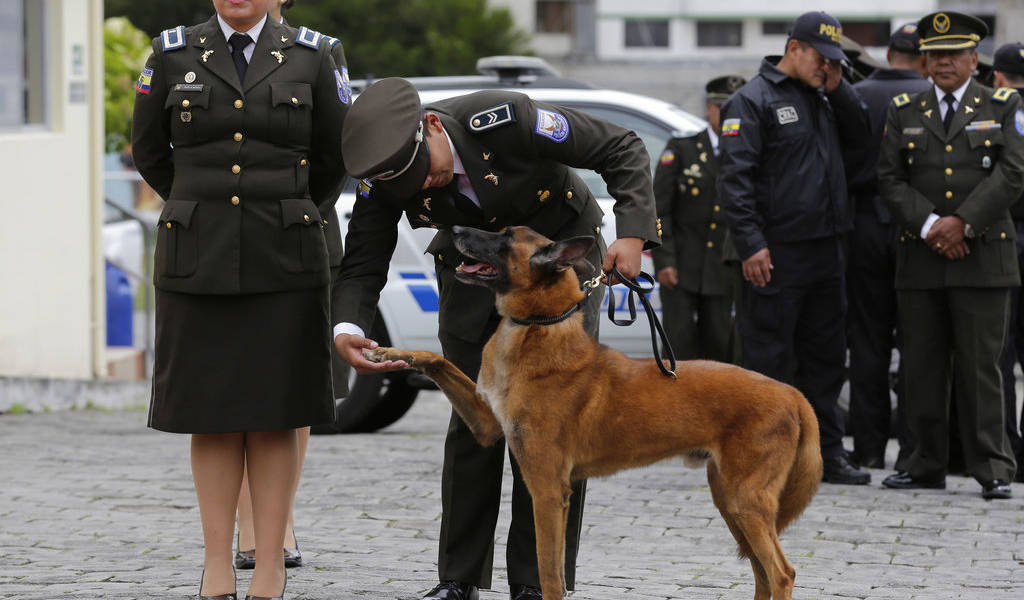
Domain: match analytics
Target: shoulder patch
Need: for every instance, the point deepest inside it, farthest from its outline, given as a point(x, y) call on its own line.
point(1003, 94)
point(144, 81)
point(491, 118)
point(730, 127)
point(331, 41)
point(309, 38)
point(173, 39)
point(364, 188)
point(901, 100)
point(344, 86)
point(552, 125)
point(667, 157)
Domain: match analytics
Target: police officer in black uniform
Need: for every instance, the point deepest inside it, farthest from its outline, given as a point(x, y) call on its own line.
point(783, 190)
point(1008, 72)
point(488, 160)
point(870, 274)
point(950, 167)
point(697, 287)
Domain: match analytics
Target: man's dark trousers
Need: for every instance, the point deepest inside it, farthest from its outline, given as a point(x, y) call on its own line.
point(798, 320)
point(471, 484)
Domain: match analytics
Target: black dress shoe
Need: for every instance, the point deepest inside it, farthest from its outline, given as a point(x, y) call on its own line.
point(906, 481)
point(292, 556)
point(453, 590)
point(997, 489)
point(839, 470)
point(524, 592)
point(868, 460)
point(245, 559)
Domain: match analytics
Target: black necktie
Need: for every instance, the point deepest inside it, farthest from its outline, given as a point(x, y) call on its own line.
point(239, 41)
point(948, 119)
point(462, 202)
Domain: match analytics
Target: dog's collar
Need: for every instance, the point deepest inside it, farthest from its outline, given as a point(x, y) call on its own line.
point(537, 320)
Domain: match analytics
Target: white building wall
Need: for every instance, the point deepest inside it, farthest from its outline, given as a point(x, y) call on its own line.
point(51, 303)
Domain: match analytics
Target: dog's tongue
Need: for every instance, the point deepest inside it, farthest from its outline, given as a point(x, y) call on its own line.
point(473, 268)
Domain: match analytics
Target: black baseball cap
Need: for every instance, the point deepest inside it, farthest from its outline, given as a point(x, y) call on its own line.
point(720, 89)
point(383, 138)
point(948, 30)
point(822, 31)
point(905, 39)
point(1009, 58)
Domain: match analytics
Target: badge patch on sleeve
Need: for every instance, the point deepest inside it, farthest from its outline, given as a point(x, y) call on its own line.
point(668, 157)
point(145, 79)
point(1018, 121)
point(364, 188)
point(730, 127)
point(344, 87)
point(552, 125)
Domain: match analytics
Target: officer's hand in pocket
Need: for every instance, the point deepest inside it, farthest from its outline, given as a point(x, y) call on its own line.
point(350, 348)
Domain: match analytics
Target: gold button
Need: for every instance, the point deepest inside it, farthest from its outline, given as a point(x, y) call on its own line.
point(695, 191)
point(949, 171)
point(239, 103)
point(988, 143)
point(949, 194)
point(690, 181)
point(718, 208)
point(1002, 236)
point(493, 219)
point(903, 239)
point(711, 244)
point(305, 218)
point(168, 224)
point(236, 169)
point(597, 229)
point(303, 162)
point(949, 148)
point(185, 103)
point(235, 200)
point(910, 145)
point(440, 257)
point(238, 136)
point(325, 221)
point(714, 226)
point(568, 195)
point(476, 122)
point(295, 100)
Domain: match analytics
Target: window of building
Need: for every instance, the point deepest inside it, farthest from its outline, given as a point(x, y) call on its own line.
point(22, 62)
point(719, 33)
point(867, 33)
point(555, 16)
point(647, 33)
point(776, 27)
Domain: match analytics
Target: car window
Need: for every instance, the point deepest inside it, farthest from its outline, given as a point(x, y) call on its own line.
point(654, 135)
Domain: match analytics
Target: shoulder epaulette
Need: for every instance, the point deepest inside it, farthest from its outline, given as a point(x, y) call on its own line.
point(1003, 94)
point(173, 39)
point(309, 38)
point(331, 41)
point(493, 117)
point(901, 100)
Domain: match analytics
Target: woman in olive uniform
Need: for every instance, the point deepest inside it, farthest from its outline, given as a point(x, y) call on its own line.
point(237, 126)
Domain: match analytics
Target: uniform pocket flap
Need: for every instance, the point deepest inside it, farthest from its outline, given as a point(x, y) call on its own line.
point(178, 211)
point(983, 138)
point(299, 211)
point(188, 96)
point(291, 94)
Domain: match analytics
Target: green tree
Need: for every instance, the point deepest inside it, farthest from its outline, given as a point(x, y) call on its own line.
point(381, 37)
point(125, 49)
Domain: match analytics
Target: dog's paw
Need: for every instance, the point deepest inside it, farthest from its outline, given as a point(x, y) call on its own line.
point(384, 354)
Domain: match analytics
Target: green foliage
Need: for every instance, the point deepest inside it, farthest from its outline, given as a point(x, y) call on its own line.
point(125, 49)
point(381, 37)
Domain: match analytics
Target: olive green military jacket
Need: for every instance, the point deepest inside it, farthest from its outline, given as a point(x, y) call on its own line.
point(249, 172)
point(517, 154)
point(975, 171)
point(693, 229)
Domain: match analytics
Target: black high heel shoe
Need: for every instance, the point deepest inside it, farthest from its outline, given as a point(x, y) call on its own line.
point(292, 556)
point(281, 597)
point(231, 596)
point(244, 559)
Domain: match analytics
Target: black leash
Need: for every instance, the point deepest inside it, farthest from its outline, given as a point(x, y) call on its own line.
point(634, 287)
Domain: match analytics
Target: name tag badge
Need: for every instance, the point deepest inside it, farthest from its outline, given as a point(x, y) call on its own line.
point(188, 87)
point(787, 115)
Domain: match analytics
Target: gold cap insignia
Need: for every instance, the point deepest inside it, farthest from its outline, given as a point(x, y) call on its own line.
point(940, 23)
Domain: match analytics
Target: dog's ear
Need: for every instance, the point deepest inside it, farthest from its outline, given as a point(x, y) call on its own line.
point(559, 256)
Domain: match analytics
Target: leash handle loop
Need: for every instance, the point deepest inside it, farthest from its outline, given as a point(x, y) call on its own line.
point(641, 291)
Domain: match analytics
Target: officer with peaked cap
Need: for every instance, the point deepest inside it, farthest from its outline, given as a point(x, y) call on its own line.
point(950, 167)
point(871, 298)
point(490, 159)
point(697, 288)
point(1008, 71)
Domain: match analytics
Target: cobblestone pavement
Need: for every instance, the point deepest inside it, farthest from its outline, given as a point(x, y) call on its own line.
point(95, 505)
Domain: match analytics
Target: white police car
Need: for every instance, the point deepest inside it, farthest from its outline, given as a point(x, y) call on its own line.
point(408, 306)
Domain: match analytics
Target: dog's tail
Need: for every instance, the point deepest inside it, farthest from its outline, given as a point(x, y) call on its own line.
point(805, 474)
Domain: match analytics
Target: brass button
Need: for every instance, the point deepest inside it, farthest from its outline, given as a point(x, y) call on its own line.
point(440, 257)
point(303, 162)
point(711, 244)
point(910, 145)
point(493, 219)
point(695, 191)
point(949, 148)
point(238, 136)
point(568, 195)
point(690, 181)
point(235, 200)
point(295, 100)
point(185, 103)
point(239, 103)
point(305, 218)
point(949, 194)
point(325, 221)
point(169, 225)
point(1002, 236)
point(718, 208)
point(236, 169)
point(903, 239)
point(714, 226)
point(949, 171)
point(476, 122)
point(988, 143)
point(597, 229)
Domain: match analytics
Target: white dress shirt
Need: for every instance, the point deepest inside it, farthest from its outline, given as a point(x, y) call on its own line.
point(253, 33)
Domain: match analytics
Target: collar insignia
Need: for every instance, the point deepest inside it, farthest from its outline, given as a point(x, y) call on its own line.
point(202, 40)
point(206, 55)
point(492, 178)
point(277, 55)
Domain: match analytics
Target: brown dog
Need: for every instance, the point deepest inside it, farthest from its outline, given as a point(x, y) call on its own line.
point(571, 408)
